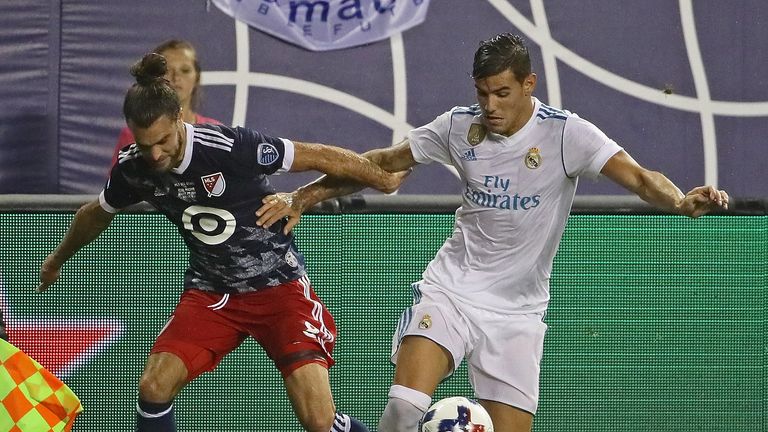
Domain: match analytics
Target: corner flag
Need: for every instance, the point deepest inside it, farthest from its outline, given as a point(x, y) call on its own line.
point(32, 398)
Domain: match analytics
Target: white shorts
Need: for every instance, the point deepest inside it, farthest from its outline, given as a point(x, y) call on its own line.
point(503, 351)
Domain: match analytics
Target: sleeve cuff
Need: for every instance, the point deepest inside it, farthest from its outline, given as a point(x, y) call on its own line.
point(104, 205)
point(288, 155)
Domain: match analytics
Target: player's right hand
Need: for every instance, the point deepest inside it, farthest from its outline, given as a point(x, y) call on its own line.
point(279, 206)
point(49, 273)
point(702, 200)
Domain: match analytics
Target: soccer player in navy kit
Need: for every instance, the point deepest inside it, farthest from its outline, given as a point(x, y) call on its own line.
point(483, 297)
point(242, 280)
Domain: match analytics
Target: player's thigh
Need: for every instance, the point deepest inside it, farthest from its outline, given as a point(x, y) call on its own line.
point(298, 330)
point(422, 364)
point(198, 334)
point(309, 391)
point(508, 418)
point(504, 365)
point(431, 340)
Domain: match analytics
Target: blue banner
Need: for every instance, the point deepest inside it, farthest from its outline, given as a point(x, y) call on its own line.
point(320, 25)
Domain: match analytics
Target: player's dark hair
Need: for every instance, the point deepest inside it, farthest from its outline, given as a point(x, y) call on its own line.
point(499, 53)
point(172, 44)
point(152, 96)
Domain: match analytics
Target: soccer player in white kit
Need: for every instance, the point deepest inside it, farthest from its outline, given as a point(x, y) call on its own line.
point(483, 297)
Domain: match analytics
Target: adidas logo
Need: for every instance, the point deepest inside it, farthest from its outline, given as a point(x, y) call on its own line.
point(469, 155)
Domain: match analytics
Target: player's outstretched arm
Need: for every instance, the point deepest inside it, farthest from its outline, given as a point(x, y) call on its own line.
point(345, 164)
point(396, 159)
point(656, 189)
point(90, 221)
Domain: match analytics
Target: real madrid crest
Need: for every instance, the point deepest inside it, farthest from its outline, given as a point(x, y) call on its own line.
point(533, 158)
point(476, 134)
point(426, 322)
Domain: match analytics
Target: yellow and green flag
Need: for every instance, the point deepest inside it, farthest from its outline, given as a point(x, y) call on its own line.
point(31, 398)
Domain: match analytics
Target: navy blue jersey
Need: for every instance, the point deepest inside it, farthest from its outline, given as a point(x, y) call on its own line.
point(212, 197)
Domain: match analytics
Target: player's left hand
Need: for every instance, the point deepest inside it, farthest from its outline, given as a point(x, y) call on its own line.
point(49, 273)
point(702, 200)
point(276, 207)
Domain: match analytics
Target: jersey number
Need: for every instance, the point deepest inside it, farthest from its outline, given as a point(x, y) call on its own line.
point(210, 225)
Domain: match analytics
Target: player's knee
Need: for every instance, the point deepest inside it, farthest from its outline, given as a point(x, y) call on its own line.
point(404, 409)
point(153, 389)
point(317, 420)
point(163, 377)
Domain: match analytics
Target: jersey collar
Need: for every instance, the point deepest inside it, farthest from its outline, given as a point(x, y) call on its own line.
point(190, 131)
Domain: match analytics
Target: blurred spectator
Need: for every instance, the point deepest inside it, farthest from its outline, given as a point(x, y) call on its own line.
point(184, 76)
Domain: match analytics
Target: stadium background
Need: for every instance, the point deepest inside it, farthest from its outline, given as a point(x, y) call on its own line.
point(64, 71)
point(657, 323)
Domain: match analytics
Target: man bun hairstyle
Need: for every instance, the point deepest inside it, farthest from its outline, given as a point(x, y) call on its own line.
point(150, 68)
point(504, 51)
point(152, 96)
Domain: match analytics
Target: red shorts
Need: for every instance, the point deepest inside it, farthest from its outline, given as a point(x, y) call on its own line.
point(289, 321)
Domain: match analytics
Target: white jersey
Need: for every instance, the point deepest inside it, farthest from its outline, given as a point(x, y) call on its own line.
point(517, 196)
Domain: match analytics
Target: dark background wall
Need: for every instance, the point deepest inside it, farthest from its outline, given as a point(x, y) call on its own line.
point(64, 70)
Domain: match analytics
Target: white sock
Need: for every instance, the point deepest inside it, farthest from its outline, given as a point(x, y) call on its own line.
point(404, 409)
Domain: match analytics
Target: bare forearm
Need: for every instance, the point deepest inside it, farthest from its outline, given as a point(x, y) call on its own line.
point(394, 162)
point(324, 188)
point(344, 164)
point(391, 159)
point(90, 220)
point(656, 189)
point(88, 223)
point(397, 160)
point(350, 165)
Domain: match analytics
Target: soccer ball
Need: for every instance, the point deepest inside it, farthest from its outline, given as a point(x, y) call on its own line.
point(456, 414)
